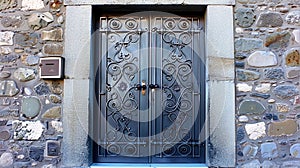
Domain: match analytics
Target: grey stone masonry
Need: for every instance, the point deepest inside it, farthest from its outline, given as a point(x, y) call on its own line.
point(252, 50)
point(269, 112)
point(30, 30)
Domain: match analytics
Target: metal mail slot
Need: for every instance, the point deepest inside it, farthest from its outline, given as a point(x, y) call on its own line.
point(51, 67)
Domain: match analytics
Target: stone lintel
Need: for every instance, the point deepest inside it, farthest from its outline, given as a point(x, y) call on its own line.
point(149, 2)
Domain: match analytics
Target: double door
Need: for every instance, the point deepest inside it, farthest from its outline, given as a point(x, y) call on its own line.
point(151, 89)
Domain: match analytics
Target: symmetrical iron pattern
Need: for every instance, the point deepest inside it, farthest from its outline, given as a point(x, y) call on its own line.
point(150, 89)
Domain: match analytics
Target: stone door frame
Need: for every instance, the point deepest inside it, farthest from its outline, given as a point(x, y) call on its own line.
point(79, 72)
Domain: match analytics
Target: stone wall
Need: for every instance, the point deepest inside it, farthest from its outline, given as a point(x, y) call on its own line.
point(267, 52)
point(30, 108)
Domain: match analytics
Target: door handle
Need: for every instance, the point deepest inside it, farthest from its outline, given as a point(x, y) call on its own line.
point(142, 87)
point(153, 86)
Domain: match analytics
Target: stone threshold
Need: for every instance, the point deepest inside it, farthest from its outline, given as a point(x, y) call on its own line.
point(120, 165)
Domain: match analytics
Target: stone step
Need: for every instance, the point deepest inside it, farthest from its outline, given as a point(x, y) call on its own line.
point(120, 165)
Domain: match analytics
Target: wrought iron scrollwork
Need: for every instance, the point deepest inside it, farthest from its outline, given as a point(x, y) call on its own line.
point(177, 88)
point(122, 69)
point(125, 86)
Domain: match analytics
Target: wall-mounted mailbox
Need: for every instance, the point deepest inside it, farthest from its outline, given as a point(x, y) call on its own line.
point(51, 67)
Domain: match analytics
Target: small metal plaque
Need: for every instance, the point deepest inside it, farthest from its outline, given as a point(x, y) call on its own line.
point(51, 67)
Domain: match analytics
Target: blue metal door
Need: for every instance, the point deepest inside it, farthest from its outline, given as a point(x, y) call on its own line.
point(151, 89)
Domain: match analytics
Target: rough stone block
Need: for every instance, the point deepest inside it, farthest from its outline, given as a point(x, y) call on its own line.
point(27, 130)
point(245, 17)
point(240, 134)
point(30, 107)
point(285, 91)
point(263, 88)
point(30, 60)
point(6, 159)
point(4, 74)
point(8, 88)
point(243, 119)
point(248, 44)
point(56, 4)
point(32, 4)
point(57, 125)
point(251, 107)
point(256, 130)
point(55, 99)
point(247, 75)
point(295, 150)
point(260, 95)
point(278, 40)
point(36, 153)
point(296, 34)
point(274, 73)
point(26, 40)
point(292, 73)
point(282, 108)
point(296, 100)
point(262, 59)
point(287, 127)
point(52, 113)
point(36, 22)
point(269, 150)
point(7, 4)
point(293, 17)
point(53, 49)
point(42, 89)
point(53, 35)
point(11, 58)
point(12, 21)
point(244, 87)
point(4, 135)
point(250, 150)
point(6, 38)
point(24, 74)
point(269, 19)
point(27, 90)
point(292, 57)
point(5, 50)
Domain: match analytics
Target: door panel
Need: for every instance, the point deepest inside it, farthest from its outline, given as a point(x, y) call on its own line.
point(174, 40)
point(150, 89)
point(124, 100)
